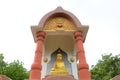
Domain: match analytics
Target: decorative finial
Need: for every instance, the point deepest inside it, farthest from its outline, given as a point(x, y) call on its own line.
point(59, 8)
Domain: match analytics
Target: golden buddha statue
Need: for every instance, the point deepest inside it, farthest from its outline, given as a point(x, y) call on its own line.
point(59, 66)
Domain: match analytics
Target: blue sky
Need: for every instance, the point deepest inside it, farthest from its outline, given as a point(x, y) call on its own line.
point(16, 17)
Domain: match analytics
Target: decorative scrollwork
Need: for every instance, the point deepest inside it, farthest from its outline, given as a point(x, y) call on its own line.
point(59, 23)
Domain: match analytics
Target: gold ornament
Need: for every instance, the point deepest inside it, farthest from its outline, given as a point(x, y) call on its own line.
point(59, 23)
point(45, 59)
point(72, 59)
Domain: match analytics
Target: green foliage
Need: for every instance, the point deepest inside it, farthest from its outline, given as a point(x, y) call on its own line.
point(14, 70)
point(106, 68)
point(2, 64)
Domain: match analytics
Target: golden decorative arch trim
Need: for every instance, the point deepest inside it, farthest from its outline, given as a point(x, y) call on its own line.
point(59, 23)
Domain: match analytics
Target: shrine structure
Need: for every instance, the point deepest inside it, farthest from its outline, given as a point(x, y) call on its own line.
point(59, 54)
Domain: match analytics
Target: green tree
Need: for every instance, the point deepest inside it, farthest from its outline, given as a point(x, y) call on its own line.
point(14, 70)
point(106, 68)
point(3, 64)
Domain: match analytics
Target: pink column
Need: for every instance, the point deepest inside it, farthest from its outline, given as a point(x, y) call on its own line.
point(35, 73)
point(83, 68)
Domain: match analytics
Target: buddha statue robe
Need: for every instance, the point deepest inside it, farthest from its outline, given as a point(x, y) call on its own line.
point(59, 66)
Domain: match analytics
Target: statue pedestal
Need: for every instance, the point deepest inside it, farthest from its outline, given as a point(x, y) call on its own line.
point(59, 77)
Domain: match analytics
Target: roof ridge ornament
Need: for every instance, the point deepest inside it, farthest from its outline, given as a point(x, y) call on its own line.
point(59, 8)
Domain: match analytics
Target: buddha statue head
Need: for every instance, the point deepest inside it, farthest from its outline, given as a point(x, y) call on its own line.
point(59, 57)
